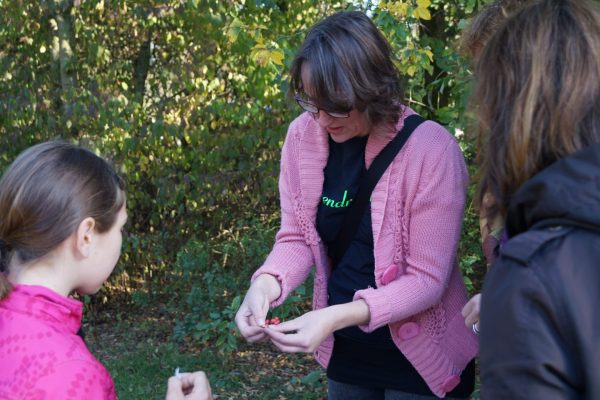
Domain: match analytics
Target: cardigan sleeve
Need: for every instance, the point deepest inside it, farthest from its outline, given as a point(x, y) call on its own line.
point(291, 258)
point(435, 190)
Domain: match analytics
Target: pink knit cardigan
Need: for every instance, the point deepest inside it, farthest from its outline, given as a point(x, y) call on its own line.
point(416, 211)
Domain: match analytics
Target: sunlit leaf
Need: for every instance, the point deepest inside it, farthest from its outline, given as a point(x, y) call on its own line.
point(428, 53)
point(422, 11)
point(234, 30)
point(398, 8)
point(277, 57)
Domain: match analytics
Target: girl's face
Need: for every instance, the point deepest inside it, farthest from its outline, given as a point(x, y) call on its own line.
point(340, 129)
point(104, 257)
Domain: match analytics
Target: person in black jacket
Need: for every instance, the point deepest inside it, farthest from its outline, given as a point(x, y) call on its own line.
point(538, 94)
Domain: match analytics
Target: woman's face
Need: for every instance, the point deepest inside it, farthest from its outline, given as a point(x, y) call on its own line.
point(340, 129)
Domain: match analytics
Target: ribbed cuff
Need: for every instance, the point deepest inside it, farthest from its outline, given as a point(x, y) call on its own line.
point(379, 308)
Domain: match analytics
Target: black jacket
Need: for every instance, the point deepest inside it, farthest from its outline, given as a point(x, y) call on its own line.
point(540, 312)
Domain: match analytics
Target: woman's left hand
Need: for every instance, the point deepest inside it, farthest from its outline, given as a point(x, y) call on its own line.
point(304, 334)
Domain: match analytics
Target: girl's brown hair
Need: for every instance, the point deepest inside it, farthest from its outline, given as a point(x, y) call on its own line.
point(46, 193)
point(351, 66)
point(537, 91)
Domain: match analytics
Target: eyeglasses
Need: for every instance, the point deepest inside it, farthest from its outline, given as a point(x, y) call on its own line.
point(313, 109)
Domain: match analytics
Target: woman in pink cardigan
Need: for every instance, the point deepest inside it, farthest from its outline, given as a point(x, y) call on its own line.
point(387, 320)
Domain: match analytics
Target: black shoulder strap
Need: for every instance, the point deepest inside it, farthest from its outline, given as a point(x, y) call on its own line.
point(367, 183)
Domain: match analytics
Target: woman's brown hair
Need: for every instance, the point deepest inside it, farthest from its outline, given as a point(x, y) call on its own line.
point(537, 93)
point(351, 66)
point(46, 193)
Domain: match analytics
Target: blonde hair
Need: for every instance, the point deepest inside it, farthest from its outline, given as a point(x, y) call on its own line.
point(537, 91)
point(46, 193)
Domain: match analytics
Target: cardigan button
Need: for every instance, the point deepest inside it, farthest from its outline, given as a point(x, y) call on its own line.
point(450, 383)
point(389, 274)
point(408, 330)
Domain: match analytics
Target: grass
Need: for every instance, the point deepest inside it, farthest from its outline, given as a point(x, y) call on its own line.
point(137, 350)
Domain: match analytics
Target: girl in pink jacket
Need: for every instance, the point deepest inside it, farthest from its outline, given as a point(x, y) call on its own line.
point(387, 320)
point(62, 209)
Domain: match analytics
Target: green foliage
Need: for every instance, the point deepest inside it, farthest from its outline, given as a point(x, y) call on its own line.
point(217, 273)
point(187, 97)
point(471, 260)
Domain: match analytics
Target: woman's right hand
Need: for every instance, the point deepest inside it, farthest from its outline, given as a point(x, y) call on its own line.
point(250, 318)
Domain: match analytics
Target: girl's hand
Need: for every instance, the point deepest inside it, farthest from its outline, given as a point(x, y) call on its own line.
point(471, 311)
point(193, 386)
point(304, 334)
point(250, 318)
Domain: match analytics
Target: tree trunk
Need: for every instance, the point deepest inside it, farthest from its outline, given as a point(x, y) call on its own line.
point(63, 59)
point(435, 29)
point(142, 65)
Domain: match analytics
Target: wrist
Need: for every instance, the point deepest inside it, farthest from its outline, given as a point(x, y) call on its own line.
point(349, 314)
point(268, 284)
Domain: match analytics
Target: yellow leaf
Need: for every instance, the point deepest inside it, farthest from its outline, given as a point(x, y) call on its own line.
point(260, 55)
point(277, 57)
point(263, 56)
point(422, 13)
point(260, 42)
point(411, 70)
point(398, 8)
point(429, 54)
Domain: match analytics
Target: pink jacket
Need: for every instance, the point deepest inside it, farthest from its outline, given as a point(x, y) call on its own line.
point(41, 356)
point(416, 211)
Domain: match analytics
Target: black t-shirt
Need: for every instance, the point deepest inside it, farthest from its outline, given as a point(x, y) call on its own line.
point(360, 358)
point(356, 268)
